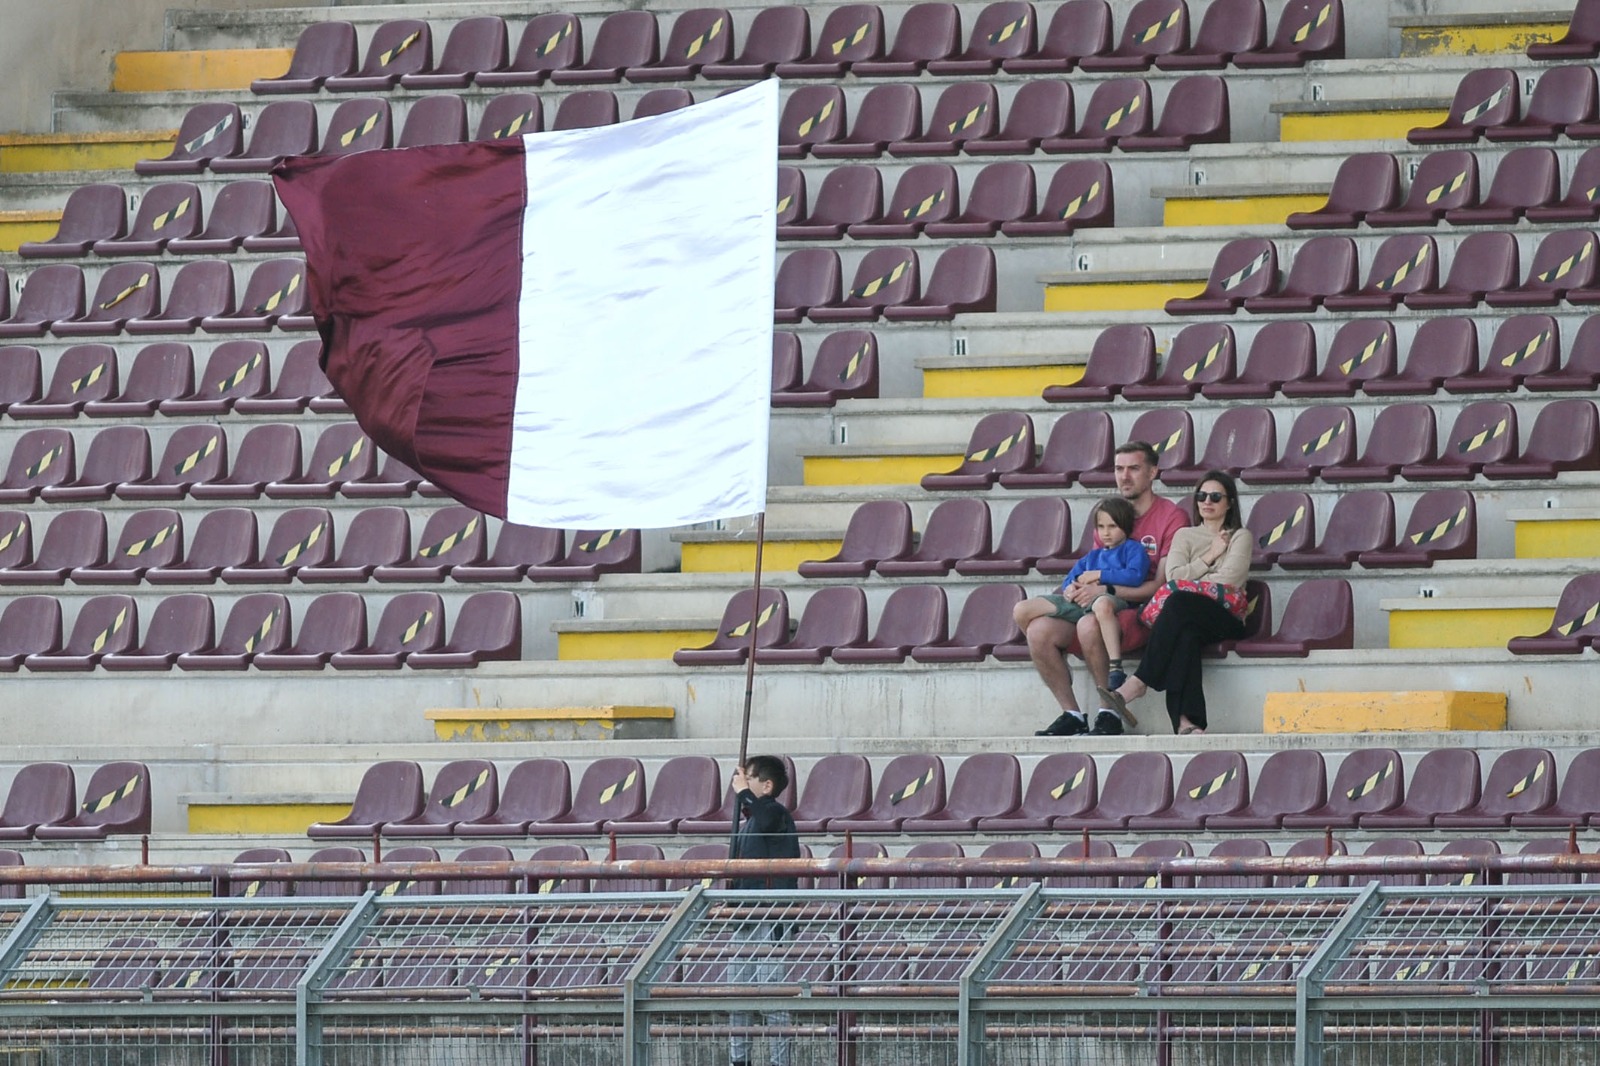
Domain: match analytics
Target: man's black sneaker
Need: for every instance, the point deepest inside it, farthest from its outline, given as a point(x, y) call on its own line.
point(1067, 725)
point(1107, 724)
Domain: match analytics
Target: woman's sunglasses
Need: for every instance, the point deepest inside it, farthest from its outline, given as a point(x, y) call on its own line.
point(1210, 497)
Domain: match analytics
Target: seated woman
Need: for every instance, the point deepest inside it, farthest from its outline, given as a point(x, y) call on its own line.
point(1202, 603)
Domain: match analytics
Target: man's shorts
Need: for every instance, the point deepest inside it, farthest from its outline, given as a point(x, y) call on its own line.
point(1068, 611)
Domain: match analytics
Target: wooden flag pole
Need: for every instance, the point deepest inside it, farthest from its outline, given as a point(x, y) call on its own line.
point(750, 659)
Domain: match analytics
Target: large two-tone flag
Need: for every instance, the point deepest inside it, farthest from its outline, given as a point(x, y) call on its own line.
point(568, 329)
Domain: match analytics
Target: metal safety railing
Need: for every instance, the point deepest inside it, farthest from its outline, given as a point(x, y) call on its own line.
point(1011, 972)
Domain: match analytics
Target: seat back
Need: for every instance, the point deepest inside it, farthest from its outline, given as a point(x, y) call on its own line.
point(301, 537)
point(389, 791)
point(1001, 442)
point(813, 114)
point(276, 287)
point(1120, 107)
point(52, 293)
point(1282, 522)
point(1368, 780)
point(833, 616)
point(1526, 177)
point(836, 786)
point(1310, 28)
point(73, 538)
point(985, 784)
point(1444, 781)
point(536, 790)
point(464, 790)
point(1170, 431)
point(99, 212)
point(1043, 107)
point(769, 614)
point(1138, 783)
point(1401, 433)
point(511, 115)
point(19, 370)
point(1242, 437)
point(412, 621)
point(489, 624)
point(1155, 27)
point(925, 193)
point(913, 615)
point(359, 126)
point(1444, 180)
point(1443, 525)
point(1037, 527)
point(334, 622)
point(256, 623)
point(193, 453)
point(517, 545)
point(474, 44)
point(911, 786)
point(1290, 782)
point(1564, 260)
point(439, 119)
point(610, 788)
point(1001, 192)
point(164, 370)
point(846, 364)
point(117, 797)
point(1360, 521)
point(662, 101)
point(699, 36)
point(807, 277)
point(342, 453)
point(454, 536)
point(1078, 28)
point(180, 624)
point(268, 453)
point(850, 32)
point(686, 786)
point(1484, 432)
point(1523, 345)
point(777, 35)
point(1201, 353)
point(550, 41)
point(149, 538)
point(1563, 95)
point(1229, 27)
point(1321, 436)
point(1002, 30)
point(587, 109)
point(1196, 110)
point(84, 373)
point(963, 278)
point(167, 211)
point(964, 111)
point(16, 539)
point(1519, 781)
point(1362, 349)
point(400, 46)
point(625, 39)
point(283, 128)
point(41, 792)
point(1483, 262)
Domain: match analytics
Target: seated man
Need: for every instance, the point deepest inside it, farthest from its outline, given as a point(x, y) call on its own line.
point(1156, 521)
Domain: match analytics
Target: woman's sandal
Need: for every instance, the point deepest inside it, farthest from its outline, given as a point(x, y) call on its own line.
point(1189, 730)
point(1113, 699)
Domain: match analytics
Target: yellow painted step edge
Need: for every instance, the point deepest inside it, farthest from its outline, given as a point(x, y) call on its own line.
point(215, 68)
point(1476, 40)
point(630, 644)
point(1383, 712)
point(261, 818)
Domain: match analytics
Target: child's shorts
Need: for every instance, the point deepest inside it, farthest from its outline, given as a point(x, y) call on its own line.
point(1068, 611)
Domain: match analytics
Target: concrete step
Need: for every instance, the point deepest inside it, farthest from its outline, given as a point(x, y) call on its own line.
point(22, 153)
point(209, 69)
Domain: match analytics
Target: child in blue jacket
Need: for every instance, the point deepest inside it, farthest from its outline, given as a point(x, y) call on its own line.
point(1119, 561)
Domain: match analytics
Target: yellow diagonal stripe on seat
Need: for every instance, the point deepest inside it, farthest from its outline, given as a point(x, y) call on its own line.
point(45, 460)
point(1276, 533)
point(208, 135)
point(415, 627)
point(917, 210)
point(297, 550)
point(1532, 778)
point(155, 540)
point(700, 41)
point(555, 39)
point(1428, 536)
point(783, 203)
point(850, 39)
point(251, 889)
point(1565, 629)
point(1442, 190)
point(549, 886)
point(1404, 270)
point(493, 967)
point(912, 787)
point(1209, 788)
point(360, 130)
point(968, 119)
point(255, 639)
point(1071, 783)
point(188, 462)
point(1004, 33)
point(1566, 265)
point(451, 541)
point(10, 537)
point(395, 888)
point(997, 449)
point(1365, 788)
point(388, 57)
point(1205, 360)
point(108, 632)
point(1483, 436)
point(144, 279)
point(455, 798)
point(1373, 347)
point(192, 978)
point(1405, 973)
point(1077, 203)
point(342, 461)
point(235, 379)
point(594, 544)
point(1245, 272)
point(811, 123)
point(1590, 194)
point(94, 375)
point(1477, 110)
point(161, 220)
point(510, 129)
point(872, 287)
point(1318, 19)
point(854, 364)
point(1526, 351)
point(743, 628)
point(1162, 447)
point(1328, 436)
point(1148, 34)
point(271, 303)
point(612, 791)
point(100, 803)
point(1121, 113)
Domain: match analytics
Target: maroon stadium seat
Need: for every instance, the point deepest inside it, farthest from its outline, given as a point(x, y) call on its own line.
point(1402, 435)
point(84, 373)
point(256, 623)
point(73, 539)
point(334, 622)
point(149, 538)
point(1306, 30)
point(879, 529)
point(41, 793)
point(925, 193)
point(928, 31)
point(1368, 780)
point(1323, 266)
point(1138, 783)
point(1323, 435)
point(807, 278)
point(1444, 181)
point(845, 367)
point(397, 47)
point(389, 792)
point(1080, 195)
point(888, 113)
point(1487, 97)
point(1562, 101)
point(223, 537)
point(464, 790)
point(699, 37)
point(964, 111)
point(776, 35)
point(342, 452)
point(1361, 521)
point(1119, 108)
point(1213, 783)
point(812, 115)
point(117, 455)
point(1565, 436)
point(686, 786)
point(1290, 782)
point(593, 552)
point(1078, 28)
point(1443, 525)
point(168, 211)
point(474, 45)
point(208, 131)
point(1196, 112)
point(1483, 263)
point(1280, 352)
point(1122, 355)
point(1484, 432)
point(911, 786)
point(488, 625)
point(1001, 442)
point(412, 621)
point(848, 195)
point(1444, 781)
point(1288, 523)
point(1062, 785)
point(625, 39)
point(452, 536)
point(516, 548)
point(126, 290)
point(1244, 268)
point(536, 790)
point(180, 625)
point(986, 784)
point(1521, 781)
point(268, 453)
point(324, 49)
point(1041, 108)
point(1004, 30)
point(377, 536)
point(551, 41)
point(956, 529)
point(1320, 614)
point(611, 787)
point(276, 291)
point(837, 786)
point(52, 293)
point(1579, 798)
point(116, 800)
point(1038, 527)
point(962, 282)
point(1228, 27)
point(92, 213)
point(985, 623)
point(833, 617)
point(1366, 181)
point(201, 289)
point(731, 645)
point(851, 33)
point(1241, 438)
point(1152, 28)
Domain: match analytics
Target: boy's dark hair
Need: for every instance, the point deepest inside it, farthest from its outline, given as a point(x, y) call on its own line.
point(1119, 511)
point(768, 768)
point(1144, 448)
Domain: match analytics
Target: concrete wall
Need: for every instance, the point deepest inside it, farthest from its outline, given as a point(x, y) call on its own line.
point(71, 44)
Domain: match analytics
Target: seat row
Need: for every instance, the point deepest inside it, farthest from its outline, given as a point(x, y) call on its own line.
point(194, 463)
point(1325, 273)
point(1487, 104)
point(852, 39)
point(127, 299)
point(1064, 793)
point(888, 283)
point(1527, 184)
point(42, 804)
point(966, 118)
point(161, 379)
point(1321, 446)
point(259, 633)
point(927, 200)
point(376, 546)
point(1037, 536)
point(211, 135)
point(1525, 352)
point(914, 624)
point(170, 218)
